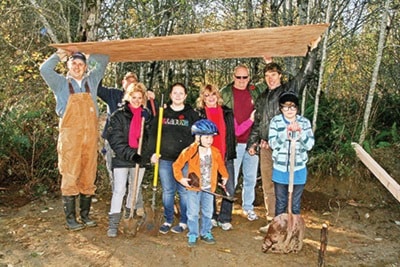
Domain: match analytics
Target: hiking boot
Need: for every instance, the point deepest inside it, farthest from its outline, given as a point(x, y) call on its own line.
point(113, 222)
point(251, 215)
point(208, 239)
point(192, 241)
point(127, 213)
point(177, 229)
point(165, 228)
point(225, 226)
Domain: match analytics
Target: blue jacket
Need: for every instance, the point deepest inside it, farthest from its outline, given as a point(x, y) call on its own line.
point(280, 144)
point(58, 83)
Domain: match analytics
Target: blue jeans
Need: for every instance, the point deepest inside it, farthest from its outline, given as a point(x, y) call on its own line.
point(225, 213)
point(249, 169)
point(199, 201)
point(169, 188)
point(281, 193)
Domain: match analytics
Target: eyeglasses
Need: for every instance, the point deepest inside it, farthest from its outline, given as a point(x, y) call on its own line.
point(241, 77)
point(287, 108)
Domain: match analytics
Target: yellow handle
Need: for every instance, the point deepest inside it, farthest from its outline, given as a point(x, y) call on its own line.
point(158, 143)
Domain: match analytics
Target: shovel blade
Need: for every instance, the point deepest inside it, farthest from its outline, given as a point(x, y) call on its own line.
point(152, 222)
point(285, 234)
point(130, 226)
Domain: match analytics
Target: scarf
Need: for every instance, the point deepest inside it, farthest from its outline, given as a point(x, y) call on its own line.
point(135, 127)
point(216, 115)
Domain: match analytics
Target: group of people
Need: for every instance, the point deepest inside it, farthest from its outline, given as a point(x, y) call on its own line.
point(230, 131)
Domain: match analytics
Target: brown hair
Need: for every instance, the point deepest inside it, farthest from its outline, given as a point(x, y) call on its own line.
point(273, 67)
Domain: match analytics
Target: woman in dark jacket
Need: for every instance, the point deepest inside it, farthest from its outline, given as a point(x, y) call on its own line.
point(123, 135)
point(209, 106)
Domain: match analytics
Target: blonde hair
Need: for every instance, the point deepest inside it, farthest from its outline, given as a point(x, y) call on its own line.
point(133, 88)
point(211, 89)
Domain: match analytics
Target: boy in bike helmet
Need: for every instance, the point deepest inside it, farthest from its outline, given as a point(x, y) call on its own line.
point(205, 161)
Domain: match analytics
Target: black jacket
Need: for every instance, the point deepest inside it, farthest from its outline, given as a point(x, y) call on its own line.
point(230, 137)
point(176, 132)
point(267, 104)
point(118, 137)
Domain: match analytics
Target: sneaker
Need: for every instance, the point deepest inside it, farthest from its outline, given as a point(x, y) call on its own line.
point(177, 229)
point(264, 229)
point(214, 223)
point(165, 228)
point(208, 239)
point(251, 215)
point(225, 226)
point(192, 241)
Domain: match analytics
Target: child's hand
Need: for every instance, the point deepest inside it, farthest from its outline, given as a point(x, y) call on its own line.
point(224, 181)
point(294, 127)
point(185, 182)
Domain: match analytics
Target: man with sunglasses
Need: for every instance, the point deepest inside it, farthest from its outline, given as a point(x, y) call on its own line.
point(240, 97)
point(267, 106)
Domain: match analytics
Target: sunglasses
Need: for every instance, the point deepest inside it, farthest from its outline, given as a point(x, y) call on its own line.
point(241, 77)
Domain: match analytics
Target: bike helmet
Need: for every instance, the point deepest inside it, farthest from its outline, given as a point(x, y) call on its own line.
point(204, 127)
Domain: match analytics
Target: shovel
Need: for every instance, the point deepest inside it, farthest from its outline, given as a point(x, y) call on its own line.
point(195, 184)
point(131, 223)
point(152, 218)
point(286, 231)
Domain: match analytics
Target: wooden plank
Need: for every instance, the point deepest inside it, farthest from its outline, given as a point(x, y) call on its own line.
point(276, 42)
point(378, 171)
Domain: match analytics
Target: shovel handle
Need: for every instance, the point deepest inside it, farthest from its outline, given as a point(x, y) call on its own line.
point(158, 141)
point(137, 166)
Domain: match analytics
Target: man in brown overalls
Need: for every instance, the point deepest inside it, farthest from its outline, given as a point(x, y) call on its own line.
point(76, 106)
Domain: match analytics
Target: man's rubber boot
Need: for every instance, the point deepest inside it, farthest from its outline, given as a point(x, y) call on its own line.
point(85, 201)
point(70, 213)
point(113, 222)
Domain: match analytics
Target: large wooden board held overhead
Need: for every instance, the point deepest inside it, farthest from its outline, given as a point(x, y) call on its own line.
point(250, 43)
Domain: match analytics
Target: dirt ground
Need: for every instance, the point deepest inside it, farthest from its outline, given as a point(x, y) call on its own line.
point(362, 232)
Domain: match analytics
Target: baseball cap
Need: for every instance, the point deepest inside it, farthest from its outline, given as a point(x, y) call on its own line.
point(289, 97)
point(78, 55)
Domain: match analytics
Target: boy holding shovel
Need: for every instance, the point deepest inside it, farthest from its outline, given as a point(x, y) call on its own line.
point(280, 127)
point(204, 161)
point(290, 137)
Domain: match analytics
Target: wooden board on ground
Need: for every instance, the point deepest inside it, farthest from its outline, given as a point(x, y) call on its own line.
point(378, 171)
point(275, 42)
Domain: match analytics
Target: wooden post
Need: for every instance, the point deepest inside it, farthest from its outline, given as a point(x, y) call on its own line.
point(378, 171)
point(323, 245)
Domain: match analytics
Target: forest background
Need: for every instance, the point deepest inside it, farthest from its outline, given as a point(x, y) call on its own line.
point(353, 96)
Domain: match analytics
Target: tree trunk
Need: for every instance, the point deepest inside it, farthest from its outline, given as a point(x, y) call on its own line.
point(321, 68)
point(382, 37)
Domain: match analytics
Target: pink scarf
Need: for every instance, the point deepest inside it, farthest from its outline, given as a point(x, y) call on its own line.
point(135, 127)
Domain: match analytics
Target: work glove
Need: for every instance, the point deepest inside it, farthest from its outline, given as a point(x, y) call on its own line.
point(137, 158)
point(194, 180)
